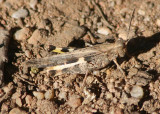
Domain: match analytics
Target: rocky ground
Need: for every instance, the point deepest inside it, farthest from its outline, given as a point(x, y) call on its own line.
point(28, 27)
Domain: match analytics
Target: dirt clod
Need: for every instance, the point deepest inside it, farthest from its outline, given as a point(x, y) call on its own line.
point(29, 27)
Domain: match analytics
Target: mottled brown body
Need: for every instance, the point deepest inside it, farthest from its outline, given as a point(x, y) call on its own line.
point(80, 61)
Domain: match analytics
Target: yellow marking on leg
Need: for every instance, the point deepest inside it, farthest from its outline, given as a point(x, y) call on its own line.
point(58, 50)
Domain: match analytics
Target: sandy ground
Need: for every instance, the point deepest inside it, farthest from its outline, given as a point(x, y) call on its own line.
point(33, 25)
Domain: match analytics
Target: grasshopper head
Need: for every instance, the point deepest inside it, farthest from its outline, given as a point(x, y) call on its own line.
point(120, 46)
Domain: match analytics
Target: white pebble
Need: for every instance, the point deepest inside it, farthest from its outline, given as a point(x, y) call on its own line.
point(104, 31)
point(28, 53)
point(62, 95)
point(33, 4)
point(96, 72)
point(137, 92)
point(21, 13)
point(6, 89)
point(141, 12)
point(38, 95)
point(49, 94)
point(22, 34)
point(158, 22)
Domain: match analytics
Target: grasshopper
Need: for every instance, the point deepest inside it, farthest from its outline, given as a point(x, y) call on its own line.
point(81, 60)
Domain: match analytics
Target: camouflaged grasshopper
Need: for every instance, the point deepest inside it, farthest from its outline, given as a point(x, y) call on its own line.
point(81, 60)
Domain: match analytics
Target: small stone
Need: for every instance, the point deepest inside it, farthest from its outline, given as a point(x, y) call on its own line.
point(28, 99)
point(89, 79)
point(96, 72)
point(141, 12)
point(104, 31)
point(33, 4)
point(147, 19)
point(38, 35)
point(109, 95)
point(6, 89)
point(74, 101)
point(111, 87)
point(82, 21)
point(62, 95)
point(17, 111)
point(28, 53)
point(19, 102)
point(21, 13)
point(22, 34)
point(114, 100)
point(38, 95)
point(16, 95)
point(56, 85)
point(158, 22)
point(49, 94)
point(133, 71)
point(137, 92)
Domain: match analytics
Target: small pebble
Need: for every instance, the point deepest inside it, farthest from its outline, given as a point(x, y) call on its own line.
point(56, 85)
point(110, 86)
point(28, 99)
point(33, 4)
point(104, 31)
point(62, 95)
point(158, 22)
point(89, 79)
point(19, 102)
point(137, 92)
point(16, 95)
point(39, 35)
point(38, 95)
point(109, 95)
point(96, 72)
point(114, 100)
point(49, 94)
point(21, 13)
point(141, 12)
point(28, 53)
point(6, 89)
point(17, 111)
point(22, 34)
point(74, 101)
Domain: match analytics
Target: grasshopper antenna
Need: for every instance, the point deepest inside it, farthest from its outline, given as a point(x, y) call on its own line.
point(115, 61)
point(130, 23)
